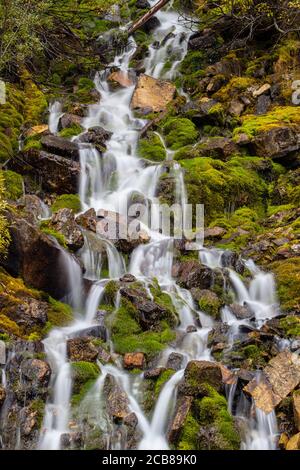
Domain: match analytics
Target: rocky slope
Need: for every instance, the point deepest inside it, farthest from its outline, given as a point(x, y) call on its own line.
point(228, 119)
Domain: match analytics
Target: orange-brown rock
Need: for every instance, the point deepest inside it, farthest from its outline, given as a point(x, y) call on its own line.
point(120, 79)
point(134, 361)
point(152, 94)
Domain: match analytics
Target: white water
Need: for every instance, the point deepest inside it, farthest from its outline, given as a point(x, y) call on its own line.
point(55, 113)
point(107, 182)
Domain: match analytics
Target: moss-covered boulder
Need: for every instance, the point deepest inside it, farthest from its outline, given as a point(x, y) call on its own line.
point(152, 148)
point(179, 132)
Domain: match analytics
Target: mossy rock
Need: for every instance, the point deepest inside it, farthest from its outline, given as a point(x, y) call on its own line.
point(53, 233)
point(179, 132)
point(67, 201)
point(59, 314)
point(72, 131)
point(14, 185)
point(287, 274)
point(152, 148)
point(210, 304)
point(84, 375)
point(291, 326)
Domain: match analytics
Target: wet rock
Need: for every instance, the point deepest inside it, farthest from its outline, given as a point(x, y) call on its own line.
point(88, 220)
point(120, 79)
point(277, 142)
point(117, 402)
point(209, 302)
point(154, 373)
point(55, 173)
point(241, 311)
point(63, 221)
point(202, 40)
point(97, 331)
point(2, 395)
point(230, 259)
point(103, 356)
point(191, 329)
point(221, 148)
point(96, 136)
point(35, 130)
point(192, 273)
point(152, 93)
point(33, 207)
point(29, 428)
point(27, 312)
point(69, 120)
point(151, 25)
point(278, 379)
point(71, 441)
point(296, 408)
point(182, 410)
point(128, 278)
point(60, 146)
point(175, 361)
point(134, 361)
point(36, 258)
point(199, 374)
point(218, 336)
point(81, 349)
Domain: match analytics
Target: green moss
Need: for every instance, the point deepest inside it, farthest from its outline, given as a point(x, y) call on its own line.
point(57, 235)
point(152, 148)
point(59, 314)
point(35, 101)
point(14, 186)
point(84, 375)
point(291, 326)
point(69, 132)
point(254, 355)
point(9, 326)
point(161, 381)
point(287, 273)
point(278, 117)
point(67, 201)
point(110, 292)
point(84, 92)
point(179, 132)
point(188, 439)
point(210, 305)
point(33, 142)
point(38, 407)
point(233, 88)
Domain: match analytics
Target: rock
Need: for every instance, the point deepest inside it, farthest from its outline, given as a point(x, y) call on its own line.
point(134, 361)
point(278, 379)
point(71, 441)
point(96, 136)
point(35, 130)
point(215, 233)
point(262, 90)
point(241, 311)
point(88, 220)
point(28, 313)
point(175, 361)
point(142, 4)
point(153, 94)
point(230, 259)
point(294, 443)
point(120, 79)
point(56, 174)
point(263, 104)
point(128, 278)
point(283, 440)
point(154, 373)
point(296, 408)
point(97, 331)
point(218, 336)
point(63, 221)
point(193, 274)
point(117, 402)
point(2, 353)
point(191, 329)
point(60, 146)
point(2, 395)
point(197, 375)
point(81, 349)
point(35, 375)
point(277, 142)
point(36, 258)
point(151, 25)
point(202, 40)
point(69, 120)
point(236, 108)
point(209, 302)
point(182, 410)
point(221, 148)
point(33, 207)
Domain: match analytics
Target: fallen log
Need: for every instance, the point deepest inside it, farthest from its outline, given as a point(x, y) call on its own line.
point(140, 22)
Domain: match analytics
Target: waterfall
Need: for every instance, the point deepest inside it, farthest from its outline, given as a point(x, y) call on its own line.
point(55, 113)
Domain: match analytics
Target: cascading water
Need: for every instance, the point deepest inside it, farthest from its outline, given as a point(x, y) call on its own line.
point(108, 182)
point(55, 113)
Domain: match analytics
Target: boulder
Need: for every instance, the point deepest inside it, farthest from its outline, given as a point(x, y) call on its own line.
point(60, 146)
point(36, 376)
point(241, 312)
point(183, 407)
point(96, 331)
point(55, 174)
point(236, 107)
point(277, 142)
point(199, 374)
point(128, 278)
point(293, 443)
point(230, 259)
point(151, 25)
point(35, 130)
point(120, 79)
point(88, 220)
point(175, 361)
point(154, 373)
point(152, 94)
point(262, 90)
point(134, 361)
point(81, 349)
point(36, 258)
point(296, 408)
point(221, 148)
point(215, 233)
point(117, 402)
point(278, 379)
point(192, 273)
point(96, 136)
point(63, 221)
point(33, 206)
point(69, 120)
